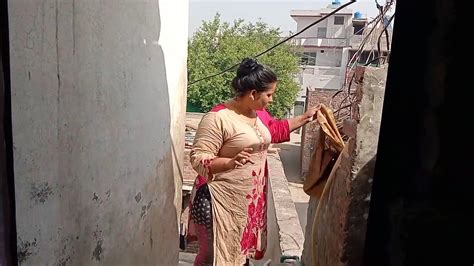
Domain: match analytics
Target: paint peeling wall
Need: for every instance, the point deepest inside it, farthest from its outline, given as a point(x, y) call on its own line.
point(98, 100)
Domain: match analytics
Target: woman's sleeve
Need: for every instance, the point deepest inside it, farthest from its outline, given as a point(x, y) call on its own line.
point(279, 129)
point(207, 144)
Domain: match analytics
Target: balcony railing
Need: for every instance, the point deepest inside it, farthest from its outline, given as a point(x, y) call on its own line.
point(315, 41)
point(320, 70)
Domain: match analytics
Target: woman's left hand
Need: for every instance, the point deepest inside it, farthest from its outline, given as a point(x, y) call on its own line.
point(301, 120)
point(308, 116)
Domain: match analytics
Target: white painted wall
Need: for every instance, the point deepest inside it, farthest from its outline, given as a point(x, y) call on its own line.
point(175, 49)
point(302, 22)
point(333, 31)
point(329, 57)
point(329, 82)
point(98, 100)
point(340, 31)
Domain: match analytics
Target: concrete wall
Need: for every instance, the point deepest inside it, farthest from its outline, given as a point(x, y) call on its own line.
point(98, 93)
point(273, 252)
point(175, 50)
point(303, 22)
point(330, 57)
point(307, 256)
point(341, 224)
point(288, 228)
point(327, 82)
point(340, 31)
point(333, 31)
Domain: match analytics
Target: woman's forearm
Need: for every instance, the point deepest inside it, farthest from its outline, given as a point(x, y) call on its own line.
point(297, 122)
point(220, 164)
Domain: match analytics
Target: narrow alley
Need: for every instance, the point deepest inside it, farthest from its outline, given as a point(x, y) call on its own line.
point(331, 138)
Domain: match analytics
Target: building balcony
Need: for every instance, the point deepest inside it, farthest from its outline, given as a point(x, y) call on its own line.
point(320, 70)
point(319, 77)
point(356, 41)
point(320, 42)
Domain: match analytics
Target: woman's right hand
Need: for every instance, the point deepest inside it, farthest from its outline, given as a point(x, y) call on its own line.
point(241, 158)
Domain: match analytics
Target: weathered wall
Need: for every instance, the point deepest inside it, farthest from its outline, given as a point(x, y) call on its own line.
point(289, 233)
point(93, 83)
point(175, 49)
point(307, 256)
point(273, 251)
point(342, 220)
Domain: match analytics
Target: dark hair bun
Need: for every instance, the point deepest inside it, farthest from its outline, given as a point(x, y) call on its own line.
point(252, 76)
point(247, 66)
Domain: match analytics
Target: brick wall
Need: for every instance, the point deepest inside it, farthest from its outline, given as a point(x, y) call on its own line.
point(314, 97)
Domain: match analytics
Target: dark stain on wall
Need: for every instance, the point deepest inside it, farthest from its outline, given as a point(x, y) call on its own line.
point(26, 249)
point(65, 254)
point(145, 209)
point(151, 237)
point(96, 254)
point(40, 192)
point(138, 197)
point(98, 250)
point(95, 197)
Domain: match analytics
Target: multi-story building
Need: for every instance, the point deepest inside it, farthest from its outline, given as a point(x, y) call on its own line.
point(327, 47)
point(324, 48)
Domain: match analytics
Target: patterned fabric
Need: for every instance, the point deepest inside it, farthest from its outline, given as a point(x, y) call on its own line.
point(238, 198)
point(202, 206)
point(201, 214)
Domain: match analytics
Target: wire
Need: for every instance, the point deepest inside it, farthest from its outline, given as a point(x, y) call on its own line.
point(355, 58)
point(386, 34)
point(307, 27)
point(279, 43)
point(211, 76)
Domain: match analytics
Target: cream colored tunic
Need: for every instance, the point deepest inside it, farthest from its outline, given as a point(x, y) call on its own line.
point(239, 196)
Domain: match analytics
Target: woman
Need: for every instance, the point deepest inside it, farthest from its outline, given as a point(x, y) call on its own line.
point(229, 201)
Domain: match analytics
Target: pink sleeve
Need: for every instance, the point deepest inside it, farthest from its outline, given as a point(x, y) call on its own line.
point(279, 129)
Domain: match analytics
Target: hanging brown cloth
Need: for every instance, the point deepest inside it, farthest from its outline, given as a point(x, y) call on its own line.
point(329, 145)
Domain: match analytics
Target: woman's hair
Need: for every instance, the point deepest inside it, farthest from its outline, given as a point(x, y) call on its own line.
point(252, 76)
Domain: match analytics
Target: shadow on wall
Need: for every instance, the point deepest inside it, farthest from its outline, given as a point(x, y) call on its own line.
point(7, 197)
point(168, 238)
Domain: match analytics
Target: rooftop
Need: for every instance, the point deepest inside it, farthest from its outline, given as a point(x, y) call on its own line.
point(319, 12)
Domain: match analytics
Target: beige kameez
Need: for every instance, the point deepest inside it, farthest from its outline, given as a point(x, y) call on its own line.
point(238, 195)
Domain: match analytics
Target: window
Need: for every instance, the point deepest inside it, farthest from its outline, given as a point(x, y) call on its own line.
point(338, 20)
point(358, 29)
point(298, 110)
point(308, 59)
point(322, 32)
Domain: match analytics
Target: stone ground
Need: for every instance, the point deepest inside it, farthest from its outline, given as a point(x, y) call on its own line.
point(291, 159)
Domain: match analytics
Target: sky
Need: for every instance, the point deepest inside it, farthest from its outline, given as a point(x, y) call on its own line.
point(276, 13)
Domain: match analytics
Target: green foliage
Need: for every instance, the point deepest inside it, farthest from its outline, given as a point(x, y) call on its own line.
point(218, 45)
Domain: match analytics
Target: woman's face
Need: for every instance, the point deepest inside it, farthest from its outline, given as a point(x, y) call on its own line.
point(263, 99)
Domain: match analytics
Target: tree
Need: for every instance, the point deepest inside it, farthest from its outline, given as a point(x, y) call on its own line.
point(218, 45)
